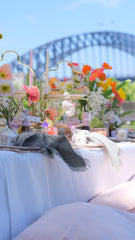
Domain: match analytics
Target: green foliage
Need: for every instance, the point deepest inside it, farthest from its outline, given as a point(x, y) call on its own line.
point(25, 104)
point(130, 91)
point(129, 88)
point(96, 122)
point(133, 125)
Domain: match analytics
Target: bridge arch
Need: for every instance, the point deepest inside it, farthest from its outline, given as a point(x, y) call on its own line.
point(63, 48)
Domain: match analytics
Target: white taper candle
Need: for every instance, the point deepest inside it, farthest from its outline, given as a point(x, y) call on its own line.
point(47, 72)
point(30, 72)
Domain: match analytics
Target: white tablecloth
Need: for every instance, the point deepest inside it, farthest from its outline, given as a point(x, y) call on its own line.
point(32, 183)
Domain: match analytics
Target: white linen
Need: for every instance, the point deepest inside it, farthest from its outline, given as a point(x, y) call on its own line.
point(32, 183)
point(111, 147)
point(82, 221)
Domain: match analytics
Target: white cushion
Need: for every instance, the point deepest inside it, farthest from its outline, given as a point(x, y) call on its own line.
point(121, 196)
point(82, 221)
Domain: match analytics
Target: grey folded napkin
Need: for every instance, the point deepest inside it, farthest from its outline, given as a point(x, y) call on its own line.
point(51, 145)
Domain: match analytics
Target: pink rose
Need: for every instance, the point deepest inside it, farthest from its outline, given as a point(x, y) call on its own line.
point(33, 93)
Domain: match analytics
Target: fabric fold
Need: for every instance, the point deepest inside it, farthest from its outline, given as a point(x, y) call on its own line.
point(111, 147)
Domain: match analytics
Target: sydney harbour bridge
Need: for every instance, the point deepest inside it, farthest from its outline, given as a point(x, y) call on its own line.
point(92, 48)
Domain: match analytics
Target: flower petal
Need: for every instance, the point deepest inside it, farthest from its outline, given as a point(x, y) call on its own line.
point(6, 70)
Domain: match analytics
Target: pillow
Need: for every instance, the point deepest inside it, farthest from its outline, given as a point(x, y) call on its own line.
point(121, 196)
point(82, 221)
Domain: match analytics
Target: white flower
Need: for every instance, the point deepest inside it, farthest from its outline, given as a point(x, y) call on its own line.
point(77, 68)
point(68, 85)
point(6, 88)
point(4, 102)
point(111, 117)
point(77, 78)
point(69, 107)
point(57, 84)
point(97, 102)
point(66, 94)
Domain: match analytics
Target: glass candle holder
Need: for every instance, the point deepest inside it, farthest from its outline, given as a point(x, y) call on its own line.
point(102, 131)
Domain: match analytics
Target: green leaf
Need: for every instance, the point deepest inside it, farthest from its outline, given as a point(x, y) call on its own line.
point(125, 113)
point(96, 122)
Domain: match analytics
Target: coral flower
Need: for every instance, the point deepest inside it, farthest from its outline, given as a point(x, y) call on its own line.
point(86, 69)
point(51, 113)
point(33, 93)
point(106, 66)
point(51, 131)
point(119, 99)
point(74, 64)
point(96, 73)
point(6, 72)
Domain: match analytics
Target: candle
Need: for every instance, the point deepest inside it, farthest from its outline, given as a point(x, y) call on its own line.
point(30, 72)
point(102, 131)
point(47, 72)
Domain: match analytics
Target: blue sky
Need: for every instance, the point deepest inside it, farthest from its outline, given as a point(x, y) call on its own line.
point(28, 24)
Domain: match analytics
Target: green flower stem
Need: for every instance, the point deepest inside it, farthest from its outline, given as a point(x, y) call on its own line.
point(88, 105)
point(34, 108)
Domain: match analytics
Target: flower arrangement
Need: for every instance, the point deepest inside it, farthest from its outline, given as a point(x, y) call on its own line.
point(52, 115)
point(104, 94)
point(29, 98)
point(9, 103)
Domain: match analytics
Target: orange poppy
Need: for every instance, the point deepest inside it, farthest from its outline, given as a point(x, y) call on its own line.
point(106, 66)
point(51, 131)
point(113, 85)
point(86, 69)
point(102, 77)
